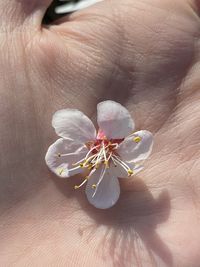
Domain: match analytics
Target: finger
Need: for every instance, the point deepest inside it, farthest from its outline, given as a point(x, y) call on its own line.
point(18, 12)
point(140, 38)
point(196, 4)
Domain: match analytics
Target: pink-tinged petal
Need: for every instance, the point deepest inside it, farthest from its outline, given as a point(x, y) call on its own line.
point(120, 172)
point(62, 165)
point(108, 190)
point(73, 124)
point(114, 120)
point(136, 147)
point(138, 168)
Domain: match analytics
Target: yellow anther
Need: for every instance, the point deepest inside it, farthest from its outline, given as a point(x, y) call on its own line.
point(60, 171)
point(94, 186)
point(84, 181)
point(81, 165)
point(106, 163)
point(137, 139)
point(130, 172)
point(90, 167)
point(97, 166)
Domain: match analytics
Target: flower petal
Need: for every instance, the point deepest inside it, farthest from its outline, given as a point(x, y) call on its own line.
point(120, 172)
point(114, 120)
point(136, 147)
point(107, 192)
point(62, 165)
point(138, 168)
point(73, 124)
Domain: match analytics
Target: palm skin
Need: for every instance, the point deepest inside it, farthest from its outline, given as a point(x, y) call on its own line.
point(144, 54)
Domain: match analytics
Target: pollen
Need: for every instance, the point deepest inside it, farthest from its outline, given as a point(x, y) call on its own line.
point(130, 172)
point(97, 166)
point(83, 182)
point(60, 171)
point(106, 163)
point(90, 167)
point(94, 186)
point(137, 139)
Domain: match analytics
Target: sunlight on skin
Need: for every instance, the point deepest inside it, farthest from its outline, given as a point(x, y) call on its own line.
point(144, 54)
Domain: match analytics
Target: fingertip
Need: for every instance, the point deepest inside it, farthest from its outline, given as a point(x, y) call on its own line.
point(195, 4)
point(15, 13)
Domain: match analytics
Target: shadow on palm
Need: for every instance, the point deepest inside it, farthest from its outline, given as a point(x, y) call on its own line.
point(127, 231)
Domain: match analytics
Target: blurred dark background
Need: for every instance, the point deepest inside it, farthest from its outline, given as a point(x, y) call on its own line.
point(50, 15)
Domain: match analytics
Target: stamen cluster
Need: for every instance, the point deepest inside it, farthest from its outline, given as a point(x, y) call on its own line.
point(101, 152)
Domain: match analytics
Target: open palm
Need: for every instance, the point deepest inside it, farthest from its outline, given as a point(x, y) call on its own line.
point(143, 54)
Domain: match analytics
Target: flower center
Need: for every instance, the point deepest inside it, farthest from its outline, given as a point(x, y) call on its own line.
point(102, 152)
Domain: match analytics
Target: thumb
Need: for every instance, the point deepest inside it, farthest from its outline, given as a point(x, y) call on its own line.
point(14, 13)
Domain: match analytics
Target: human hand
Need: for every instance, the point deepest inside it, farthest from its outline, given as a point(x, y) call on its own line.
point(143, 54)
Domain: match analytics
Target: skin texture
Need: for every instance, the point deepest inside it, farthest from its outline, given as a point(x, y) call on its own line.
point(144, 54)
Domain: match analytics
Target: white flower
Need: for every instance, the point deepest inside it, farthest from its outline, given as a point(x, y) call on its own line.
point(114, 152)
